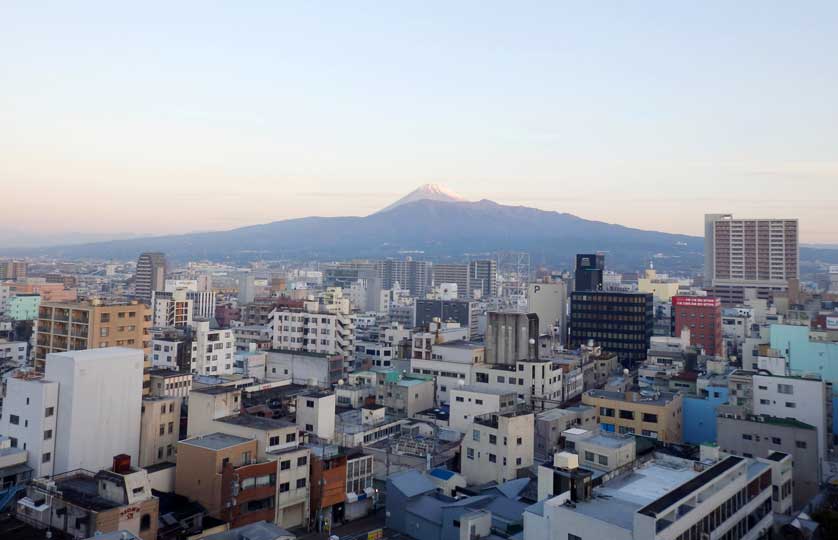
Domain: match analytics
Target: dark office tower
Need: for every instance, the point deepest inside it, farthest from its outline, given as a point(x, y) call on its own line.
point(150, 276)
point(409, 274)
point(511, 337)
point(464, 312)
point(483, 275)
point(620, 322)
point(589, 269)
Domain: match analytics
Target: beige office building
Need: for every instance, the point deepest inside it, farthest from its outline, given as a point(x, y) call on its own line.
point(75, 326)
point(652, 414)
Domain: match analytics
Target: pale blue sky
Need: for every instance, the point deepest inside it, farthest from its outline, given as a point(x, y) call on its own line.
point(178, 116)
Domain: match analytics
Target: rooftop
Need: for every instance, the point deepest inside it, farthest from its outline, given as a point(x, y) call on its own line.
point(461, 344)
point(480, 390)
point(256, 422)
point(608, 440)
point(216, 441)
point(642, 396)
point(169, 373)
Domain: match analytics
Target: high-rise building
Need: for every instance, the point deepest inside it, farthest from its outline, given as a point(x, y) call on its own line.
point(172, 309)
point(453, 273)
point(150, 276)
point(739, 254)
point(703, 316)
point(548, 300)
point(409, 274)
point(483, 275)
point(75, 326)
point(620, 322)
point(589, 270)
point(461, 311)
point(83, 411)
point(12, 270)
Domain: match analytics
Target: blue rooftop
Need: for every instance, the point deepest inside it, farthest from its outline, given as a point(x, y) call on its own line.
point(442, 474)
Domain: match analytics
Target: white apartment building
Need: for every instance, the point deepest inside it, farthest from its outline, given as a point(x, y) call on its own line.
point(212, 349)
point(803, 399)
point(172, 309)
point(316, 414)
point(667, 498)
point(467, 402)
point(450, 362)
point(318, 332)
point(208, 404)
point(159, 430)
point(201, 295)
point(29, 418)
point(497, 446)
point(93, 395)
point(527, 378)
point(313, 369)
point(13, 353)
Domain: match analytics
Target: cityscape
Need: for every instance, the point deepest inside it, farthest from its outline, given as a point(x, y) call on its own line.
point(431, 271)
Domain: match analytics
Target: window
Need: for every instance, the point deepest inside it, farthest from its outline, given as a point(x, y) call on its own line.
point(603, 460)
point(764, 402)
point(518, 461)
point(493, 458)
point(302, 461)
point(493, 439)
point(162, 429)
point(103, 332)
point(475, 435)
point(105, 317)
point(309, 427)
point(46, 457)
point(747, 436)
point(482, 377)
point(791, 404)
point(785, 389)
point(145, 522)
point(476, 401)
point(49, 411)
point(626, 415)
point(301, 483)
point(459, 399)
point(605, 411)
point(284, 487)
point(589, 456)
point(571, 536)
point(273, 441)
point(14, 419)
point(285, 465)
point(290, 437)
point(800, 444)
point(171, 427)
point(519, 441)
point(776, 440)
point(470, 453)
point(47, 434)
point(651, 418)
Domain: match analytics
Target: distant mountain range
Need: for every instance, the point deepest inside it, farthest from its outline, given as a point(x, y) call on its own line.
point(430, 223)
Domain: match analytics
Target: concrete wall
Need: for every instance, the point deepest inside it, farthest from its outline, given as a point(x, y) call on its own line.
point(100, 396)
point(29, 400)
point(700, 415)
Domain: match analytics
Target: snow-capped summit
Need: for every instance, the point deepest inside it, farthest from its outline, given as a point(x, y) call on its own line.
point(433, 192)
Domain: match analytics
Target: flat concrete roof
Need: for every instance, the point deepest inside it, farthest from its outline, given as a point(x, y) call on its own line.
point(216, 441)
point(256, 422)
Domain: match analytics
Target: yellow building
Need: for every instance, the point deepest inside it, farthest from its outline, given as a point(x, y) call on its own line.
point(652, 414)
point(663, 289)
point(75, 326)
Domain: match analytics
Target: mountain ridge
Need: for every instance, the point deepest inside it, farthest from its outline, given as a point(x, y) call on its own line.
point(438, 230)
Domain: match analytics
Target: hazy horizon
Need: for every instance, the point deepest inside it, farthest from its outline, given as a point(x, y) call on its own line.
point(164, 119)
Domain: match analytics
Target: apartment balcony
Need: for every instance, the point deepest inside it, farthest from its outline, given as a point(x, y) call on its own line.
point(43, 340)
point(80, 317)
point(59, 329)
point(78, 331)
point(61, 315)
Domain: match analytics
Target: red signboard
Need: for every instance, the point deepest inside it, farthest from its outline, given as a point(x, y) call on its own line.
point(695, 301)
